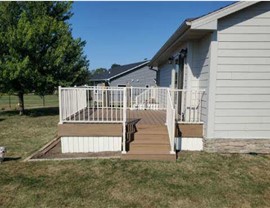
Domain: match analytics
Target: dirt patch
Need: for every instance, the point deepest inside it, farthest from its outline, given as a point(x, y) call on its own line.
point(53, 151)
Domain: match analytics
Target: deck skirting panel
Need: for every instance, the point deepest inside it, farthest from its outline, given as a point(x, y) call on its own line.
point(90, 144)
point(189, 144)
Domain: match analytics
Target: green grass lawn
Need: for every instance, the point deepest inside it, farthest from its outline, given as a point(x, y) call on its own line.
point(30, 101)
point(196, 180)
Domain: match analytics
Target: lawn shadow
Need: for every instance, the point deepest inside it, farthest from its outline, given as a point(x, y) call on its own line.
point(6, 159)
point(9, 113)
point(2, 119)
point(36, 112)
point(33, 112)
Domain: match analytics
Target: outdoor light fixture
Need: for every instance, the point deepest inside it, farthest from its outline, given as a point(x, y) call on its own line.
point(183, 53)
point(170, 60)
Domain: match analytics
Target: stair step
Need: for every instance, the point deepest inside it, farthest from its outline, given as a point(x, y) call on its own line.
point(150, 137)
point(151, 128)
point(151, 141)
point(159, 157)
point(149, 151)
point(151, 132)
point(149, 147)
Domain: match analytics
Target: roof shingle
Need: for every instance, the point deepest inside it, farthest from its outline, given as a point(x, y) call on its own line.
point(112, 72)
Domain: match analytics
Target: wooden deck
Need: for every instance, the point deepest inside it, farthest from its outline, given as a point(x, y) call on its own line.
point(137, 118)
point(149, 117)
point(146, 133)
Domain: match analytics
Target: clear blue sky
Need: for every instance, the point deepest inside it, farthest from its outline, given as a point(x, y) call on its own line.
point(127, 32)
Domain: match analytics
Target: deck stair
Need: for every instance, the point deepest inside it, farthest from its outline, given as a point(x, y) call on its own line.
point(151, 142)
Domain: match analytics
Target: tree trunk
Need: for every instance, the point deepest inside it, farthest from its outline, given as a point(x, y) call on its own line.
point(21, 103)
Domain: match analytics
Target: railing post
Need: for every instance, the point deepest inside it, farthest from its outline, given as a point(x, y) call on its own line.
point(131, 97)
point(60, 104)
point(124, 119)
point(173, 133)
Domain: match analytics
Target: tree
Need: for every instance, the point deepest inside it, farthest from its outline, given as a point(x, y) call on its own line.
point(99, 71)
point(37, 50)
point(115, 65)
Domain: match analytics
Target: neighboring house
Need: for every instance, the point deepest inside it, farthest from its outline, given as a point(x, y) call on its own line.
point(227, 53)
point(213, 93)
point(136, 75)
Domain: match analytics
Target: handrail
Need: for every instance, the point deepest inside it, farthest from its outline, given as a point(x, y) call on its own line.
point(170, 121)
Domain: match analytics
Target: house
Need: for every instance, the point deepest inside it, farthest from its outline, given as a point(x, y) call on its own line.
point(227, 53)
point(136, 74)
point(213, 94)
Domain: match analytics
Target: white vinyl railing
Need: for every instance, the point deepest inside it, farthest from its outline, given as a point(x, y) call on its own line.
point(170, 121)
point(106, 104)
point(72, 100)
point(142, 98)
point(92, 105)
point(188, 105)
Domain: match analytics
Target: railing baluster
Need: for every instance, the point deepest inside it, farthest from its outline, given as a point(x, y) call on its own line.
point(200, 106)
point(107, 105)
point(116, 108)
point(111, 96)
point(88, 103)
point(195, 106)
point(94, 104)
point(102, 105)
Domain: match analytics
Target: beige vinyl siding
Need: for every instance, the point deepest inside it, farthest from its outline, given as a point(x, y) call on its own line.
point(200, 71)
point(243, 74)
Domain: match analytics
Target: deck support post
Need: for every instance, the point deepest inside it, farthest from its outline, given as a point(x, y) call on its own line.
point(60, 104)
point(124, 120)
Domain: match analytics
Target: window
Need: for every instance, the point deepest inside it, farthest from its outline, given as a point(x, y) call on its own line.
point(146, 86)
point(121, 85)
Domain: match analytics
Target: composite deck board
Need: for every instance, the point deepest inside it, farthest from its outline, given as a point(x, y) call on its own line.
point(144, 117)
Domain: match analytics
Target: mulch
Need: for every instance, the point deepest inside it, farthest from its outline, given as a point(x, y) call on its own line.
point(55, 153)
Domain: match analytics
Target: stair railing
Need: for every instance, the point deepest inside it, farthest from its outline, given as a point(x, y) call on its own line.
point(170, 121)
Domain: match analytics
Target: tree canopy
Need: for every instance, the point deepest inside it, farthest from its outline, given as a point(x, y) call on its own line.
point(37, 49)
point(99, 71)
point(115, 65)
